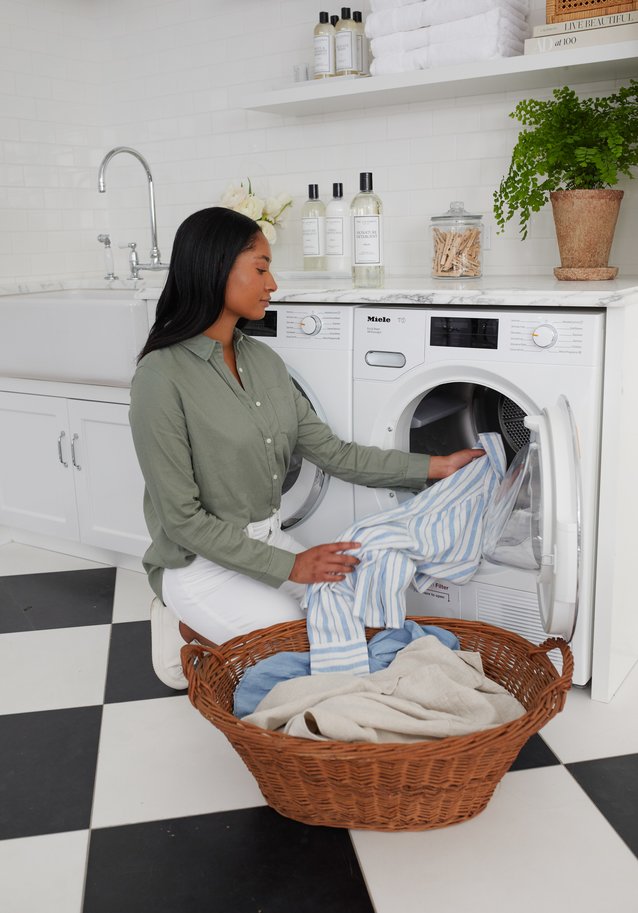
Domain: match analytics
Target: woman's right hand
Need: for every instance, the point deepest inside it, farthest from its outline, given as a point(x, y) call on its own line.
point(324, 563)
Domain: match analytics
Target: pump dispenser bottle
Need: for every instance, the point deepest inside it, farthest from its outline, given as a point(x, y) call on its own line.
point(313, 227)
point(324, 48)
point(346, 44)
point(338, 233)
point(367, 236)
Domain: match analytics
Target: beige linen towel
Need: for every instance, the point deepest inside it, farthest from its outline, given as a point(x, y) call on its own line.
point(427, 692)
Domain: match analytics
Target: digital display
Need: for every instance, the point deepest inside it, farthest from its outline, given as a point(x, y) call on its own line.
point(464, 332)
point(267, 326)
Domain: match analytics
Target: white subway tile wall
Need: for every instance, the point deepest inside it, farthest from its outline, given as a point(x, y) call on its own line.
point(168, 78)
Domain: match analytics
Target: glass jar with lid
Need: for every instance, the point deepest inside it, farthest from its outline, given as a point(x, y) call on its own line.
point(457, 243)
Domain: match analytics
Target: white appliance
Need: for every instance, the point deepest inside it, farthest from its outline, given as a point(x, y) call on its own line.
point(315, 341)
point(430, 379)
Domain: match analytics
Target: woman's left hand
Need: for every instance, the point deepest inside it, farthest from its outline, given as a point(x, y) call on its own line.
point(443, 466)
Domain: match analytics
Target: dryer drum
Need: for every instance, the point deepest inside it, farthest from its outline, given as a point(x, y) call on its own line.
point(511, 419)
point(496, 412)
point(451, 416)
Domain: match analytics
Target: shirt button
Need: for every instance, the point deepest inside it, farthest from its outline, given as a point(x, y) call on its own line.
point(258, 403)
point(275, 476)
point(269, 440)
point(274, 510)
point(241, 370)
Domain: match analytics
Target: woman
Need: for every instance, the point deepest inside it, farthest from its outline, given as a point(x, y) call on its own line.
point(215, 419)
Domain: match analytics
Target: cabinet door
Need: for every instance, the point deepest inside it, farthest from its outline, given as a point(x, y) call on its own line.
point(36, 480)
point(108, 481)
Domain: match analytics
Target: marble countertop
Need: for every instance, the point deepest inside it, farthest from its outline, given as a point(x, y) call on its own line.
point(490, 291)
point(501, 291)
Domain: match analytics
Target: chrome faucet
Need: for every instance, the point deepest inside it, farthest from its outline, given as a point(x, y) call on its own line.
point(155, 257)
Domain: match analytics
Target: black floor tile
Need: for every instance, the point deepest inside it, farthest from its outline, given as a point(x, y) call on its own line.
point(130, 675)
point(47, 770)
point(247, 861)
point(612, 785)
point(534, 753)
point(64, 599)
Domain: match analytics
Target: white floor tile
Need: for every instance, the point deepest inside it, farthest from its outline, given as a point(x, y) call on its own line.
point(160, 759)
point(25, 559)
point(589, 729)
point(539, 845)
point(43, 873)
point(63, 667)
point(133, 596)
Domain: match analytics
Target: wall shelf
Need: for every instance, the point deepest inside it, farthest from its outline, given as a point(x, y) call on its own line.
point(535, 71)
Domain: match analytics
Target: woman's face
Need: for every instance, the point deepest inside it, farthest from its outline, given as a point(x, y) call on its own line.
point(250, 282)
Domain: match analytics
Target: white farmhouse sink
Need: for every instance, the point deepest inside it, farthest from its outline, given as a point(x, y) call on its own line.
point(85, 336)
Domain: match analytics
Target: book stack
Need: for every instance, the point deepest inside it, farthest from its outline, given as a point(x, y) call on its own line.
point(581, 33)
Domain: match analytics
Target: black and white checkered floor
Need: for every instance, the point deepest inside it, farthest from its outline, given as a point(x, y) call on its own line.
point(116, 796)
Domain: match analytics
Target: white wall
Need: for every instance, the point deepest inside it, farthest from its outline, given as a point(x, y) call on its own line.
point(167, 78)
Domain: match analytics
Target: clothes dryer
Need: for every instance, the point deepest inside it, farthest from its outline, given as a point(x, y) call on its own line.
point(429, 380)
point(315, 341)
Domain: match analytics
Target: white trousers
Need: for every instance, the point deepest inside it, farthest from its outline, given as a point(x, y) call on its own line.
point(219, 603)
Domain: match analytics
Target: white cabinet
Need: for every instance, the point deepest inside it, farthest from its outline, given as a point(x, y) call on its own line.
point(68, 469)
point(37, 489)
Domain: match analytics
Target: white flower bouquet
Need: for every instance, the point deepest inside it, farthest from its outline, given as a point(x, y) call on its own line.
point(266, 213)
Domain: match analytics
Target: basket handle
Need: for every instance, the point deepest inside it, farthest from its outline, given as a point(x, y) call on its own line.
point(191, 655)
point(565, 680)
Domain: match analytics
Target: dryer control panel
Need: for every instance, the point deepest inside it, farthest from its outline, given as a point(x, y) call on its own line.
point(304, 324)
point(395, 340)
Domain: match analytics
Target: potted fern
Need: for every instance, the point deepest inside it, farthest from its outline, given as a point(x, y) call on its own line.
point(574, 152)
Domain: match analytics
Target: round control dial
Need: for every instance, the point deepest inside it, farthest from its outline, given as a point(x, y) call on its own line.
point(544, 335)
point(310, 325)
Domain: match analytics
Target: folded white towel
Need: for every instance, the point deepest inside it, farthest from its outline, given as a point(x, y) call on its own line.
point(435, 12)
point(495, 21)
point(376, 5)
point(449, 53)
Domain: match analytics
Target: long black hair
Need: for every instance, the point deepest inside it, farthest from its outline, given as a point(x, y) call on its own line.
point(206, 246)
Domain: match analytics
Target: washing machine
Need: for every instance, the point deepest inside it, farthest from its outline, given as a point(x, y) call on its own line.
point(315, 341)
point(429, 380)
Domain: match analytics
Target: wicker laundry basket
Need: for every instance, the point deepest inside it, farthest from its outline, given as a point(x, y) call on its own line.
point(392, 786)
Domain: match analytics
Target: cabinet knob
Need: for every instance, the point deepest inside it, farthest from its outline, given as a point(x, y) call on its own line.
point(75, 438)
point(60, 457)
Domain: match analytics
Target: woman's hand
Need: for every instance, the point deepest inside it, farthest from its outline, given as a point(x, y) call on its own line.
point(324, 563)
point(443, 466)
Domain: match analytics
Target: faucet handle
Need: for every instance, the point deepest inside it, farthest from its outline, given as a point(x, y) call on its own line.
point(133, 259)
point(108, 256)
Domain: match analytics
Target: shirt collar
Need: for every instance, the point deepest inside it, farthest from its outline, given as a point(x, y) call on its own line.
point(203, 346)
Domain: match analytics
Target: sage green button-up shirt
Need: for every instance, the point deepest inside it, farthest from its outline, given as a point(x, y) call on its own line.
point(214, 454)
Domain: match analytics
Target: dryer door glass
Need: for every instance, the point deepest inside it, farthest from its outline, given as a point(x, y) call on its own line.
point(534, 521)
point(513, 519)
point(304, 484)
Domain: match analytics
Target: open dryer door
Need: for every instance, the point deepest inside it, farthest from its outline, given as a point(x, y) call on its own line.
point(534, 520)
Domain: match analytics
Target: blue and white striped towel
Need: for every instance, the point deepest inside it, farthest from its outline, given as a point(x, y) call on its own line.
point(436, 535)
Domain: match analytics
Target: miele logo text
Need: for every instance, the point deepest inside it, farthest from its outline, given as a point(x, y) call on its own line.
point(378, 319)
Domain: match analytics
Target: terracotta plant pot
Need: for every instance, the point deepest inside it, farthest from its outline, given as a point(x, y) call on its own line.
point(585, 222)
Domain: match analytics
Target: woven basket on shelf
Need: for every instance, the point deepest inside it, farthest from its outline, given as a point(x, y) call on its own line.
point(391, 786)
point(562, 10)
